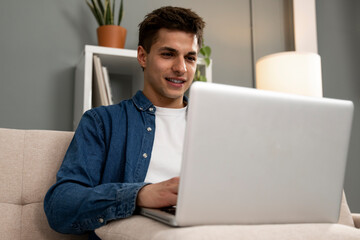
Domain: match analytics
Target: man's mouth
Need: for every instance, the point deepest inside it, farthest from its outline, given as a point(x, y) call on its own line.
point(173, 80)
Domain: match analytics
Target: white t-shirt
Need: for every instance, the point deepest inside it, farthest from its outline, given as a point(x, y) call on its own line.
point(167, 150)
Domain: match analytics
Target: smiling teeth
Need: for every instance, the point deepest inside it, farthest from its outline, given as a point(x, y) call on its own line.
point(174, 80)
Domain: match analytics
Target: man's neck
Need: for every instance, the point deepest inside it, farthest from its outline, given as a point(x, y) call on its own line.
point(166, 102)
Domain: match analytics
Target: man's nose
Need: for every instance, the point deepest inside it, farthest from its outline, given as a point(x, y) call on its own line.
point(179, 66)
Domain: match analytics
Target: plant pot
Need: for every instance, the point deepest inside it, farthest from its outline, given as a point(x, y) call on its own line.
point(111, 36)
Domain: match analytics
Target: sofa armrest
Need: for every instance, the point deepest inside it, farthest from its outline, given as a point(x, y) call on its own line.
point(356, 217)
point(142, 228)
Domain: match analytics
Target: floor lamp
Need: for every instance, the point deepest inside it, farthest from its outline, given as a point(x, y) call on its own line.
point(291, 72)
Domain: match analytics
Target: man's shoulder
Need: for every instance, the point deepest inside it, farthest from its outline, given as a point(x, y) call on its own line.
point(130, 107)
point(106, 117)
point(114, 108)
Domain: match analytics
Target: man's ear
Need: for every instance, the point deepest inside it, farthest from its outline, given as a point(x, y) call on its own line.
point(141, 56)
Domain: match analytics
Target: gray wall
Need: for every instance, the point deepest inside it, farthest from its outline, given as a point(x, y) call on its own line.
point(42, 40)
point(338, 26)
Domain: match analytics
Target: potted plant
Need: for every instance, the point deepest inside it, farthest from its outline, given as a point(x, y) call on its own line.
point(110, 34)
point(205, 51)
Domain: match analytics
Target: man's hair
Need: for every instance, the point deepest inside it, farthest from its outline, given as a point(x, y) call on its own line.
point(172, 18)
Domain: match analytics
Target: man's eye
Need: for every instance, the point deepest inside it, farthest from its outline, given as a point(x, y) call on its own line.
point(167, 54)
point(191, 59)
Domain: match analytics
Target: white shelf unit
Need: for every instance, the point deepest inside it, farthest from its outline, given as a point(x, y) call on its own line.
point(119, 62)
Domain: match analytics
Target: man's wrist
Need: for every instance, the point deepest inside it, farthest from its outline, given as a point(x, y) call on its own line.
point(140, 195)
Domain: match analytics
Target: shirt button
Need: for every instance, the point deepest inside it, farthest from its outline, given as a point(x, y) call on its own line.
point(145, 155)
point(101, 220)
point(151, 109)
point(149, 129)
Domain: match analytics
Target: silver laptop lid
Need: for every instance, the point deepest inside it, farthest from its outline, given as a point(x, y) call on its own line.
point(254, 156)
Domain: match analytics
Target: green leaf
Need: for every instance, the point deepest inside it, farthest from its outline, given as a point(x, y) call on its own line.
point(202, 51)
point(121, 11)
point(107, 13)
point(104, 13)
point(97, 13)
point(207, 61)
point(101, 6)
point(92, 10)
point(112, 12)
point(207, 51)
point(202, 79)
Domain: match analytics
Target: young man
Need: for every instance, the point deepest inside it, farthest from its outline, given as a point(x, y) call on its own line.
point(118, 150)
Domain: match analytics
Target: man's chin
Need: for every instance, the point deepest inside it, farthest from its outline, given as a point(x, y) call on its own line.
point(171, 95)
point(175, 94)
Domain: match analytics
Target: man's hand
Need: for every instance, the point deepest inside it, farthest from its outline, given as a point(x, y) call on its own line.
point(157, 195)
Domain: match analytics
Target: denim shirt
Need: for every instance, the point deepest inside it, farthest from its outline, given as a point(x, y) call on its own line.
point(104, 167)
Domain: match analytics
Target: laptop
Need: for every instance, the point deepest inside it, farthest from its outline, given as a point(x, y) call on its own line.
point(259, 157)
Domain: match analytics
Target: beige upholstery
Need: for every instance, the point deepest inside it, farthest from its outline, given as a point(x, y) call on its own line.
point(356, 217)
point(129, 229)
point(29, 160)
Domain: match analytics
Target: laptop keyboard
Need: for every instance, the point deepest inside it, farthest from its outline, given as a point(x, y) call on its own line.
point(171, 210)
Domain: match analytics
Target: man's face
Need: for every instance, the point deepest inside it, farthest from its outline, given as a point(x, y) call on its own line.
point(169, 67)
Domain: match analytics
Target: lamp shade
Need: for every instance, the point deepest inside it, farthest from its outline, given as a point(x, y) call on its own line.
point(290, 72)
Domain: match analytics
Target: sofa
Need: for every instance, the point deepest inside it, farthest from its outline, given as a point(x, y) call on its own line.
point(29, 160)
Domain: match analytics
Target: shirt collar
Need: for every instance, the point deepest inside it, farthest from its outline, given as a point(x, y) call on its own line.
point(143, 103)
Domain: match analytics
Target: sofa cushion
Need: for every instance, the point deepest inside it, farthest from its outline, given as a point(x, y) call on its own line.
point(29, 160)
point(10, 227)
point(356, 217)
point(141, 228)
point(11, 165)
point(43, 155)
point(35, 225)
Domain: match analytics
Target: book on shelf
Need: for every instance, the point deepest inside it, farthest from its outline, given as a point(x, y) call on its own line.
point(101, 90)
point(107, 85)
